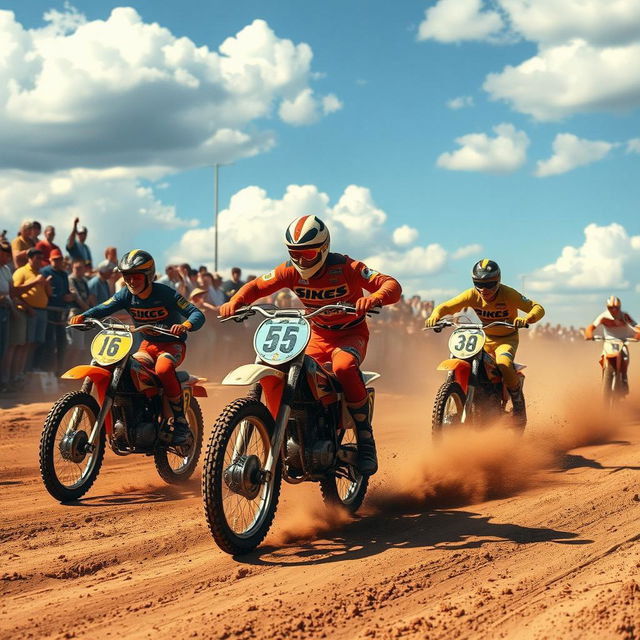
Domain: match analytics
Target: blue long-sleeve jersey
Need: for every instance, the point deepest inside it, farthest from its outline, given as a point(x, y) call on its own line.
point(164, 306)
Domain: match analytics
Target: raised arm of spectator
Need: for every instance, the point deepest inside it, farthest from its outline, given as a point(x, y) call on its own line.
point(72, 236)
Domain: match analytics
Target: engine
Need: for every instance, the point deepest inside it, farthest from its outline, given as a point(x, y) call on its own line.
point(135, 425)
point(319, 450)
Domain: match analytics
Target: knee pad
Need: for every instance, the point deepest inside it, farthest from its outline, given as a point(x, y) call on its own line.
point(143, 358)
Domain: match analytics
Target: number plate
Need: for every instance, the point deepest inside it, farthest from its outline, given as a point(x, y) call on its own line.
point(111, 346)
point(465, 343)
point(279, 340)
point(612, 347)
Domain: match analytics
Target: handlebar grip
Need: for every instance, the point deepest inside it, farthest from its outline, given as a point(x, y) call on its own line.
point(438, 329)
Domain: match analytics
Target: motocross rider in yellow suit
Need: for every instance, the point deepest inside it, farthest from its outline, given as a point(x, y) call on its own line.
point(493, 302)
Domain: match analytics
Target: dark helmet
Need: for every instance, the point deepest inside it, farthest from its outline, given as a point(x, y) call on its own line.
point(138, 261)
point(486, 274)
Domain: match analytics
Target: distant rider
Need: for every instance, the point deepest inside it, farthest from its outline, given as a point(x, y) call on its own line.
point(319, 277)
point(615, 324)
point(493, 302)
point(149, 302)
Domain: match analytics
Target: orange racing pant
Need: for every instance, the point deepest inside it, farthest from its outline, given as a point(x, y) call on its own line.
point(164, 359)
point(344, 349)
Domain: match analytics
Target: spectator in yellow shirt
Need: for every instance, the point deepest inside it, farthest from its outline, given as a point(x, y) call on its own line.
point(33, 301)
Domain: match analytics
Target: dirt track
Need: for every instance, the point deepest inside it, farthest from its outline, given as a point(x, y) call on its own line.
point(489, 537)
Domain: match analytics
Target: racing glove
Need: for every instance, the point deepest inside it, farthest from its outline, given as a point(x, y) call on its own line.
point(365, 303)
point(520, 322)
point(76, 319)
point(228, 308)
point(431, 321)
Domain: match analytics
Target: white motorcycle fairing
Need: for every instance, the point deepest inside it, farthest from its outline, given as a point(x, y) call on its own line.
point(248, 374)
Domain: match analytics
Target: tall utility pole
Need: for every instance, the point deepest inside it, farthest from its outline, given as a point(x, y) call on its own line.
point(216, 166)
point(215, 220)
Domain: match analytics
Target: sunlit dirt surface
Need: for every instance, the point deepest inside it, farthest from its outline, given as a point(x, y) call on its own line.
point(487, 536)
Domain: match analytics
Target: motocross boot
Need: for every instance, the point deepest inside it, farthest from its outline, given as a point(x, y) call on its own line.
point(367, 458)
point(519, 409)
point(179, 427)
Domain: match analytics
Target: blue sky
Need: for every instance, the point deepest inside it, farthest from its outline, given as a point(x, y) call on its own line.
point(537, 168)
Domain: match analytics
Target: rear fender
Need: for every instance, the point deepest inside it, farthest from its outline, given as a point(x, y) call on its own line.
point(272, 381)
point(461, 371)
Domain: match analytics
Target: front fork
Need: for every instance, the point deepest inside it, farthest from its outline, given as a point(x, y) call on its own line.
point(107, 403)
point(467, 411)
point(282, 419)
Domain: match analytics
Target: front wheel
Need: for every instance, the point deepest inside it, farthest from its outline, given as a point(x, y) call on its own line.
point(172, 466)
point(240, 498)
point(346, 487)
point(611, 386)
point(68, 465)
point(447, 409)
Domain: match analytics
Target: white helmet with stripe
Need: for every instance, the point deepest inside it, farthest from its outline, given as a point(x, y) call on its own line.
point(307, 239)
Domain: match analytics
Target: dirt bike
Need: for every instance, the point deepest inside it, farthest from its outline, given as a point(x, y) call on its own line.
point(614, 357)
point(121, 402)
point(474, 392)
point(302, 432)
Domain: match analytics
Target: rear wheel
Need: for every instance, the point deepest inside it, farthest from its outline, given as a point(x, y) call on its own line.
point(174, 465)
point(346, 487)
point(447, 409)
point(68, 465)
point(240, 499)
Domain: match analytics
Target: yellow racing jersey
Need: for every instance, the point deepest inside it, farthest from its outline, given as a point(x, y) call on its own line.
point(503, 308)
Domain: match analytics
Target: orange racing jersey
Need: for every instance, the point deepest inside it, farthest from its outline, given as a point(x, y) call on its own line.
point(341, 280)
point(503, 308)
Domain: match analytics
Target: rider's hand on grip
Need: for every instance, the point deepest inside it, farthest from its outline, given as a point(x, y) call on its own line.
point(520, 322)
point(178, 329)
point(228, 309)
point(76, 320)
point(365, 303)
point(430, 322)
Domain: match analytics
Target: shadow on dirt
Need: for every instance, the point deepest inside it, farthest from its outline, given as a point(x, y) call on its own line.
point(438, 529)
point(572, 461)
point(141, 495)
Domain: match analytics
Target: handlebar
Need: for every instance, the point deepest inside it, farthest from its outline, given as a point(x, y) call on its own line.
point(442, 324)
point(90, 322)
point(245, 312)
point(601, 339)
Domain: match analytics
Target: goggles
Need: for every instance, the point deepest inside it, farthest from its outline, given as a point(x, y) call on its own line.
point(135, 276)
point(480, 284)
point(305, 254)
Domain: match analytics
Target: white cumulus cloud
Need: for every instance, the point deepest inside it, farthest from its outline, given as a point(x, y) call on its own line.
point(404, 235)
point(460, 102)
point(467, 251)
point(504, 153)
point(251, 232)
point(569, 78)
point(412, 262)
point(457, 20)
point(116, 209)
point(608, 259)
point(124, 92)
point(633, 145)
point(570, 152)
point(601, 22)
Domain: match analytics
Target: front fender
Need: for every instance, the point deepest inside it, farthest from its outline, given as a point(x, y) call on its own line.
point(272, 381)
point(461, 370)
point(249, 374)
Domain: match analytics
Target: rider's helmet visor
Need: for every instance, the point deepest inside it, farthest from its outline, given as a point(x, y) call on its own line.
point(306, 257)
point(483, 284)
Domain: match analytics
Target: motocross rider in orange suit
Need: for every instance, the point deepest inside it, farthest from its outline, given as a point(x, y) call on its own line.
point(318, 278)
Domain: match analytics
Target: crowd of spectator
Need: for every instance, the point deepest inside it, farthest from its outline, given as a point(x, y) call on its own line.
point(42, 285)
